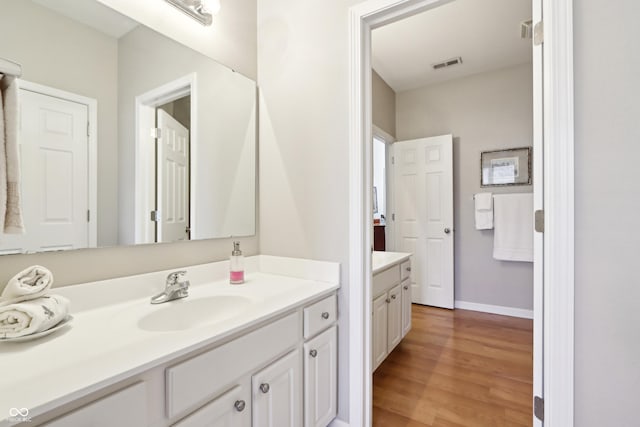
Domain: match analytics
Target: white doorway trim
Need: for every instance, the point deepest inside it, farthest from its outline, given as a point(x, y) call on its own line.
point(145, 119)
point(558, 198)
point(92, 152)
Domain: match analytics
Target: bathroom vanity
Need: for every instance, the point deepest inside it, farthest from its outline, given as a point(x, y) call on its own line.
point(391, 305)
point(259, 354)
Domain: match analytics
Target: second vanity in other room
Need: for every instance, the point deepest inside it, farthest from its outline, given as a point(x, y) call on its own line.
point(263, 353)
point(391, 306)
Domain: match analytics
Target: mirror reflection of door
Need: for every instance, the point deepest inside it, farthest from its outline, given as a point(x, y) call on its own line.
point(172, 171)
point(53, 140)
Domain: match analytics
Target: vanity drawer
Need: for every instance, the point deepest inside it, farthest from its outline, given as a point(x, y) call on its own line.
point(385, 280)
point(127, 407)
point(198, 379)
point(320, 316)
point(405, 269)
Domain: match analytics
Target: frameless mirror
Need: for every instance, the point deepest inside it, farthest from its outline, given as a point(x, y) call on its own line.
point(126, 136)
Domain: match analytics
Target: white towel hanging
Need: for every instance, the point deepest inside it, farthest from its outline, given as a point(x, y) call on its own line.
point(483, 211)
point(513, 222)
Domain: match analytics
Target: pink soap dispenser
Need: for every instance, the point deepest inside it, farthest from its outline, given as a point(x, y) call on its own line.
point(236, 265)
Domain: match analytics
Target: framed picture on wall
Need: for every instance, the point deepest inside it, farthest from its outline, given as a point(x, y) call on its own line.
point(505, 167)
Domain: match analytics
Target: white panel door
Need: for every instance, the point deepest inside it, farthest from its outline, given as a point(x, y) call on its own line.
point(277, 393)
point(320, 379)
point(54, 159)
point(172, 179)
point(423, 190)
point(232, 409)
point(379, 330)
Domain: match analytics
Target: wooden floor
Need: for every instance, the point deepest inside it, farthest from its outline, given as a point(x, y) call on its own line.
point(457, 369)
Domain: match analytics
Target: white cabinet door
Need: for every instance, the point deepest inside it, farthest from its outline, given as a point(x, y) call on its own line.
point(406, 307)
point(379, 330)
point(394, 314)
point(277, 393)
point(232, 409)
point(320, 379)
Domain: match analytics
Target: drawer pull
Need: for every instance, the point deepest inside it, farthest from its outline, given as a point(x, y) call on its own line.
point(264, 388)
point(387, 300)
point(313, 353)
point(393, 296)
point(240, 405)
point(406, 287)
point(408, 268)
point(325, 315)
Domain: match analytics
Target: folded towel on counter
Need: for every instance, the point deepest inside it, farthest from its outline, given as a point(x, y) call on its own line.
point(30, 283)
point(484, 211)
point(513, 236)
point(33, 316)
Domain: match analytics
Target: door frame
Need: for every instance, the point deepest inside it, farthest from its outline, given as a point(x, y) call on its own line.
point(92, 151)
point(557, 146)
point(145, 120)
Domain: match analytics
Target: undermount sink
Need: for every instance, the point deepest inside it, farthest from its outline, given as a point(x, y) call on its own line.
point(188, 313)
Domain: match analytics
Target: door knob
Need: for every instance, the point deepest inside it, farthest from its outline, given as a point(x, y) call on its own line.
point(447, 231)
point(240, 405)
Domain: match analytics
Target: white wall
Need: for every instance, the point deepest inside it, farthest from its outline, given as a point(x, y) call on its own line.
point(607, 206)
point(58, 52)
point(224, 154)
point(484, 111)
point(303, 79)
point(231, 39)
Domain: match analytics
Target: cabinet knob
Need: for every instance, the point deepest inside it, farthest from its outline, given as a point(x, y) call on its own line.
point(325, 315)
point(264, 388)
point(393, 296)
point(240, 405)
point(408, 268)
point(388, 300)
point(447, 230)
point(406, 287)
point(313, 353)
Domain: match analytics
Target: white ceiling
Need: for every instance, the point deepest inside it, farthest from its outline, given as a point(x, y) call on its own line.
point(485, 33)
point(92, 14)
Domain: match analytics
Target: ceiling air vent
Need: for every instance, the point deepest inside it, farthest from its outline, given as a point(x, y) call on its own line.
point(447, 63)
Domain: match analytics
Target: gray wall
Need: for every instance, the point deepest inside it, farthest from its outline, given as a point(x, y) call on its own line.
point(236, 46)
point(483, 112)
point(58, 52)
point(607, 206)
point(383, 104)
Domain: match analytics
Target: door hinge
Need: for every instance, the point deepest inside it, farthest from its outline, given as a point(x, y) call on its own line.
point(538, 33)
point(88, 215)
point(156, 133)
point(538, 408)
point(539, 221)
point(88, 133)
point(393, 217)
point(393, 160)
point(155, 216)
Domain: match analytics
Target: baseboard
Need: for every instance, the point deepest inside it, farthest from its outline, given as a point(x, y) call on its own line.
point(338, 423)
point(495, 309)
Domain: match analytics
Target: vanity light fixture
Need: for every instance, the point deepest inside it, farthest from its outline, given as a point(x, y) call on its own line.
point(200, 10)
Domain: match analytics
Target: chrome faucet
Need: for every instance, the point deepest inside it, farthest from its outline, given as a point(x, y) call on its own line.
point(174, 288)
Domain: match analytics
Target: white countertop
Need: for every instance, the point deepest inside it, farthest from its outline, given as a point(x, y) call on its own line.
point(382, 260)
point(104, 343)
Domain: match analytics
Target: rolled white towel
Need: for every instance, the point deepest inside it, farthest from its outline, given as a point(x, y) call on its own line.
point(33, 316)
point(30, 283)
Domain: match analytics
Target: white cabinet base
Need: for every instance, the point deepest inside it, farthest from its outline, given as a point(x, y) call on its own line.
point(320, 379)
